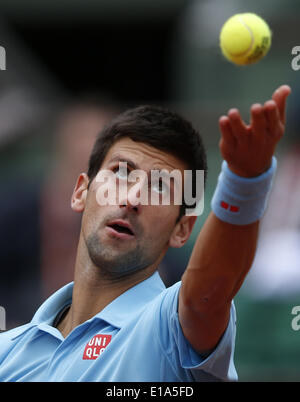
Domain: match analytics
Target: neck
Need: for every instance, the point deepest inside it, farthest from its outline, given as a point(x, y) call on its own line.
point(92, 291)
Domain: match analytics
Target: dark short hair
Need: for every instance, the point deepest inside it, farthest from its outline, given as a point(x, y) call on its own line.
point(155, 126)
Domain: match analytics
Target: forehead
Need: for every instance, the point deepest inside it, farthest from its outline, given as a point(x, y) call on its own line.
point(143, 155)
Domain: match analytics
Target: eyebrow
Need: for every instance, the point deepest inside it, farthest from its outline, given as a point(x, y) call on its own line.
point(119, 158)
point(133, 165)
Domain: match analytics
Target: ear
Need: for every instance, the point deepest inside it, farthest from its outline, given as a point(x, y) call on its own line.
point(182, 231)
point(80, 192)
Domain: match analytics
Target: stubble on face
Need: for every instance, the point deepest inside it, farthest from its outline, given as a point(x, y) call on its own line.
point(116, 258)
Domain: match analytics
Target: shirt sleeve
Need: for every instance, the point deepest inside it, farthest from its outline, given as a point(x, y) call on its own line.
point(218, 366)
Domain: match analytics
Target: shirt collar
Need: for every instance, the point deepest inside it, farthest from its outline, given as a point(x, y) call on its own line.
point(53, 305)
point(115, 313)
point(47, 312)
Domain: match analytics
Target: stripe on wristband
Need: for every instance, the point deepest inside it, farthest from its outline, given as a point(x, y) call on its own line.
point(241, 200)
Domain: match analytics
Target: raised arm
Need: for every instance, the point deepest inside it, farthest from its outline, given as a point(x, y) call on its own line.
point(224, 252)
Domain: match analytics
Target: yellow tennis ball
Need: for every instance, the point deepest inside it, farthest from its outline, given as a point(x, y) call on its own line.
point(245, 38)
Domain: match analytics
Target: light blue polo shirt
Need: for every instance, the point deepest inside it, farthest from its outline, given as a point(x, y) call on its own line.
point(137, 337)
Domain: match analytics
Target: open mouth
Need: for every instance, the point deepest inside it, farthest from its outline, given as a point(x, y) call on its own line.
point(120, 229)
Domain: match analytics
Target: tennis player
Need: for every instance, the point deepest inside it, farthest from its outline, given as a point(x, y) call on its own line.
point(117, 321)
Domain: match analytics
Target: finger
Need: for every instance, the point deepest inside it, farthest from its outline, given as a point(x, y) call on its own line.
point(226, 130)
point(274, 125)
point(258, 120)
point(238, 127)
point(280, 97)
point(227, 143)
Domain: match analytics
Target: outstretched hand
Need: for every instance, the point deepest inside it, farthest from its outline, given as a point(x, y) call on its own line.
point(248, 149)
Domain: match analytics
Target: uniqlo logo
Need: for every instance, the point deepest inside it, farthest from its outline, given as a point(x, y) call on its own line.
point(96, 346)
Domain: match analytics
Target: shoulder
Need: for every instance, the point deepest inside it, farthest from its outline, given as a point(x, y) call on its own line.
point(167, 300)
point(161, 313)
point(8, 337)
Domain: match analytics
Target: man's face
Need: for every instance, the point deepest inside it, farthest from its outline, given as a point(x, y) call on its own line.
point(128, 236)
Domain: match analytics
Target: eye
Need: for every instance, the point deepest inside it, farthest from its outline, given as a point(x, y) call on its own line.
point(160, 187)
point(121, 172)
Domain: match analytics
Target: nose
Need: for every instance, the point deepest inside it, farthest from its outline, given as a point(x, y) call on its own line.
point(134, 208)
point(132, 198)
